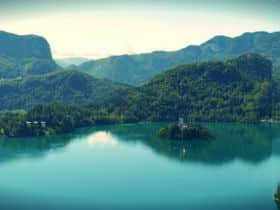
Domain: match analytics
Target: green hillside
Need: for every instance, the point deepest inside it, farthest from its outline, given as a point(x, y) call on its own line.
point(239, 90)
point(235, 90)
point(68, 87)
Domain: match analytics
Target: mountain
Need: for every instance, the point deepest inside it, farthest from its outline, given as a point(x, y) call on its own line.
point(66, 62)
point(235, 90)
point(68, 87)
point(140, 69)
point(24, 55)
point(21, 47)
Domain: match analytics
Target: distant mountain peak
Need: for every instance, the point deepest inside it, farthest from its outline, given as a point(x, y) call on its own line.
point(67, 62)
point(139, 69)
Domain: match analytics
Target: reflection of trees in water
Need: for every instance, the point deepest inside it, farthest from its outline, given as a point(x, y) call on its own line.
point(252, 143)
point(11, 148)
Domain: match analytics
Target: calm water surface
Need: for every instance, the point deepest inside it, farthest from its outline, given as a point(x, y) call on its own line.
point(127, 167)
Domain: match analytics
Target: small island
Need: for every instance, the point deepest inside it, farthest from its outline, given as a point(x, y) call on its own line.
point(183, 131)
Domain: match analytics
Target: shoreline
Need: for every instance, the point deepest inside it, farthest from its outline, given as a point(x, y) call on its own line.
point(131, 123)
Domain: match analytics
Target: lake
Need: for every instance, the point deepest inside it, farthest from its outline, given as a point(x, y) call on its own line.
point(128, 167)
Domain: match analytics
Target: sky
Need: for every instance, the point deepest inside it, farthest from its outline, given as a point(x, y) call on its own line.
point(97, 29)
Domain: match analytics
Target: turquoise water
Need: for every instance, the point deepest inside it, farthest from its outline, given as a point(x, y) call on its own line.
point(127, 167)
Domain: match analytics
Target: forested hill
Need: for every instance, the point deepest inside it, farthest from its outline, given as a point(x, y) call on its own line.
point(24, 55)
point(238, 90)
point(235, 90)
point(140, 69)
point(68, 87)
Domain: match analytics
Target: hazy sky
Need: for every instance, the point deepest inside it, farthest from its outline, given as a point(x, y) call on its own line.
point(97, 29)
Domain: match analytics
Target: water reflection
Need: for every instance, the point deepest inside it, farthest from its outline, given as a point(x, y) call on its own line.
point(251, 143)
point(101, 138)
point(13, 148)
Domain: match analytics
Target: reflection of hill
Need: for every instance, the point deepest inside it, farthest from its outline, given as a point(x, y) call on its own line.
point(12, 148)
point(250, 143)
point(276, 147)
point(275, 132)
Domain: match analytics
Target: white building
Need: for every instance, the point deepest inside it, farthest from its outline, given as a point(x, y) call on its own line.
point(43, 124)
point(28, 123)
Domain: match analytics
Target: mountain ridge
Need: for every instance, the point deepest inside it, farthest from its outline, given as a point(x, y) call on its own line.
point(137, 69)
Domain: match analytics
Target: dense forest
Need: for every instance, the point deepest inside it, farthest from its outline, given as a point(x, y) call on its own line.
point(238, 90)
point(276, 98)
point(52, 119)
point(69, 87)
